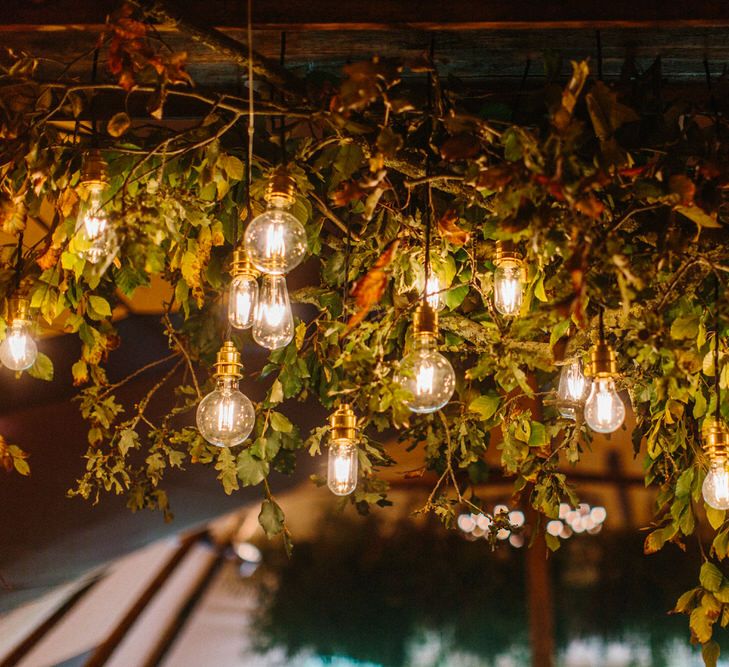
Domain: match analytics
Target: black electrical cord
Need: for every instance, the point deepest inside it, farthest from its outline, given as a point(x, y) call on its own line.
point(427, 212)
point(717, 388)
point(282, 126)
point(19, 262)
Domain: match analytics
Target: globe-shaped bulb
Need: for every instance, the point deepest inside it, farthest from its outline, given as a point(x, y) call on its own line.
point(427, 376)
point(18, 350)
point(225, 417)
point(273, 322)
point(96, 238)
point(242, 301)
point(604, 409)
point(508, 288)
point(275, 241)
point(342, 467)
point(573, 389)
point(715, 488)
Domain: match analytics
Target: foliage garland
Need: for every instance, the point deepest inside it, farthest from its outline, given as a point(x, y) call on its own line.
point(617, 207)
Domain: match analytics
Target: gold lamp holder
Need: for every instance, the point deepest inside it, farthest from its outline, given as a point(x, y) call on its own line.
point(603, 363)
point(715, 436)
point(425, 321)
point(281, 190)
point(240, 265)
point(95, 168)
point(507, 255)
point(343, 423)
point(228, 364)
point(18, 308)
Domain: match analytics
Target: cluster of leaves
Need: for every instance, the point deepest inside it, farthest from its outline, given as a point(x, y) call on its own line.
point(615, 203)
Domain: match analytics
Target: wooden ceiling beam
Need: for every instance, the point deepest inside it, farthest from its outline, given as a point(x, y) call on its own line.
point(292, 15)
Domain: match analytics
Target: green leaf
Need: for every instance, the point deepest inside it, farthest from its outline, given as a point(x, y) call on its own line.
point(98, 308)
point(454, 297)
point(685, 327)
point(226, 467)
point(699, 216)
point(232, 166)
point(42, 369)
point(486, 405)
point(251, 471)
point(271, 518)
point(558, 331)
point(715, 517)
point(537, 435)
point(710, 653)
point(128, 440)
point(711, 577)
point(281, 423)
point(118, 124)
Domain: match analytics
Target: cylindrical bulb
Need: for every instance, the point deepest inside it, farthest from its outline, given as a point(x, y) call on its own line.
point(427, 375)
point(242, 301)
point(275, 241)
point(225, 417)
point(18, 350)
point(716, 486)
point(433, 294)
point(508, 288)
point(95, 233)
point(572, 390)
point(604, 409)
point(342, 467)
point(273, 324)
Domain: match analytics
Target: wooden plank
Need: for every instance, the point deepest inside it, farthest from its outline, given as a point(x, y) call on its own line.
point(295, 15)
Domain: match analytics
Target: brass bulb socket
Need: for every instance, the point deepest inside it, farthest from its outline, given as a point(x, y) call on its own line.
point(715, 437)
point(425, 321)
point(507, 256)
point(602, 361)
point(281, 190)
point(18, 308)
point(228, 364)
point(95, 169)
point(343, 423)
point(240, 265)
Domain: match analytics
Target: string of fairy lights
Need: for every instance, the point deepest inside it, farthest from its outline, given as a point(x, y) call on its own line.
point(273, 244)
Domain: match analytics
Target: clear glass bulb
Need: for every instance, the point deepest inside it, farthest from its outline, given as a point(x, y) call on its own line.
point(716, 486)
point(96, 235)
point(572, 390)
point(242, 300)
point(225, 417)
point(508, 288)
point(275, 241)
point(433, 294)
point(342, 467)
point(427, 375)
point(604, 409)
point(18, 350)
point(273, 323)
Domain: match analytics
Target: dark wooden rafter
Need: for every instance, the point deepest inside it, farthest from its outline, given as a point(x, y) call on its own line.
point(394, 14)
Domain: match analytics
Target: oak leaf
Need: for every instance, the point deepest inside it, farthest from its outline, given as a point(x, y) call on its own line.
point(449, 229)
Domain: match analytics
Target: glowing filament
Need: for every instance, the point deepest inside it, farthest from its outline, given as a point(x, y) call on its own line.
point(424, 380)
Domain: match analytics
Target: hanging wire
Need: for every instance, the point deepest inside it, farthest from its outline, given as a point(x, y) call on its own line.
point(251, 117)
point(282, 126)
point(92, 106)
point(427, 212)
point(598, 39)
point(717, 388)
point(601, 325)
point(19, 262)
point(347, 253)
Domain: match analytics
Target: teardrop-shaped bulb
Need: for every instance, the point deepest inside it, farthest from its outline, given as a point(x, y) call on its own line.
point(715, 488)
point(96, 237)
point(604, 409)
point(573, 389)
point(18, 351)
point(273, 324)
point(242, 300)
point(508, 288)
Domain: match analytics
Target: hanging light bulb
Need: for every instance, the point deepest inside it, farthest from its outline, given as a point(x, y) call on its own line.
point(243, 293)
point(425, 373)
point(225, 417)
point(508, 279)
point(572, 390)
point(715, 489)
point(604, 409)
point(18, 351)
point(275, 240)
point(433, 293)
point(95, 234)
point(342, 459)
point(273, 323)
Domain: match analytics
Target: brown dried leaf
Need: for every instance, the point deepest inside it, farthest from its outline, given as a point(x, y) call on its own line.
point(118, 124)
point(460, 146)
point(684, 187)
point(495, 178)
point(571, 93)
point(347, 192)
point(590, 206)
point(449, 229)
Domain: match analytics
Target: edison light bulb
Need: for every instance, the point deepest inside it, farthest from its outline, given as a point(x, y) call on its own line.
point(508, 288)
point(242, 301)
point(572, 390)
point(225, 417)
point(275, 241)
point(716, 486)
point(93, 227)
point(342, 467)
point(18, 350)
point(604, 409)
point(427, 375)
point(433, 293)
point(273, 325)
